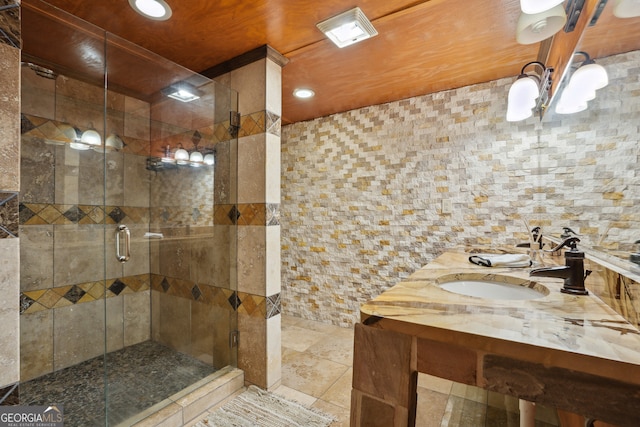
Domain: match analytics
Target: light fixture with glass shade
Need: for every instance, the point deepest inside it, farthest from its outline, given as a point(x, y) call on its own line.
point(157, 10)
point(535, 27)
point(181, 156)
point(209, 159)
point(626, 8)
point(531, 7)
point(348, 28)
point(529, 93)
point(582, 86)
point(90, 138)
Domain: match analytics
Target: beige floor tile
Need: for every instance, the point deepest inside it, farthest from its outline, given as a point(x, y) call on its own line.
point(341, 414)
point(319, 326)
point(337, 347)
point(291, 394)
point(431, 407)
point(300, 339)
point(340, 392)
point(289, 320)
point(309, 374)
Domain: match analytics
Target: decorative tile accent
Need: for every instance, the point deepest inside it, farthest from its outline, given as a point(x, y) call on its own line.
point(247, 214)
point(195, 292)
point(244, 303)
point(274, 305)
point(43, 213)
point(74, 294)
point(117, 287)
point(274, 123)
point(273, 213)
point(45, 299)
point(9, 215)
point(234, 300)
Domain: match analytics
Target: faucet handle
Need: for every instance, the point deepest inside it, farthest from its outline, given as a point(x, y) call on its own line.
point(570, 242)
point(567, 232)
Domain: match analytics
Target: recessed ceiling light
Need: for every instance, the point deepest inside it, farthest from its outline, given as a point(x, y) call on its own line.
point(348, 27)
point(182, 91)
point(158, 10)
point(303, 93)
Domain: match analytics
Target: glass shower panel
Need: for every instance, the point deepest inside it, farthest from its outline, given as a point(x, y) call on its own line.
point(177, 285)
point(62, 215)
point(128, 255)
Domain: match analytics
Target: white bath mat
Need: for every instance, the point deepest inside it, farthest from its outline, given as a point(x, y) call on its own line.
point(258, 408)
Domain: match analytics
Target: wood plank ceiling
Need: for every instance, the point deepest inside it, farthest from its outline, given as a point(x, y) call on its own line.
point(422, 46)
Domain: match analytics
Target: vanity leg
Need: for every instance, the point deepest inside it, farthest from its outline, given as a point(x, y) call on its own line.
point(385, 378)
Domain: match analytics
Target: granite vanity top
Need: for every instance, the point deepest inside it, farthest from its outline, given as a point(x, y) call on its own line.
point(578, 333)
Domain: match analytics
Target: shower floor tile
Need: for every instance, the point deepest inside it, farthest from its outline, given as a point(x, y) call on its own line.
point(138, 377)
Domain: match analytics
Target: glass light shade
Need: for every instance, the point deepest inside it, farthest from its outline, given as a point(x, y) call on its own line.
point(114, 142)
point(91, 137)
point(590, 76)
point(540, 26)
point(181, 156)
point(522, 98)
point(196, 157)
point(568, 106)
point(158, 10)
point(532, 7)
point(80, 146)
point(209, 160)
point(626, 8)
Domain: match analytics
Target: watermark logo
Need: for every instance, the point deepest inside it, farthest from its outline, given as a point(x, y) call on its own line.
point(31, 416)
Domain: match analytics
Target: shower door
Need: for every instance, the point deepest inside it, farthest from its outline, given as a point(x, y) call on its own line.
point(127, 253)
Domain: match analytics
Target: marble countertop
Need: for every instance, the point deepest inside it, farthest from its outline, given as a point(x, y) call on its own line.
point(579, 333)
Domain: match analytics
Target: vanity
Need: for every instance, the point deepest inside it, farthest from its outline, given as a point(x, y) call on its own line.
point(566, 351)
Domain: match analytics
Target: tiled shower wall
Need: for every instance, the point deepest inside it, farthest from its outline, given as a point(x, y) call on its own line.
point(363, 191)
point(62, 217)
point(9, 192)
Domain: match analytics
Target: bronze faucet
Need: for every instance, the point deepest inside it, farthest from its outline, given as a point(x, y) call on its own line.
point(572, 272)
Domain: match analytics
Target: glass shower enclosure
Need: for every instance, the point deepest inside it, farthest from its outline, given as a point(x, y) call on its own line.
point(127, 235)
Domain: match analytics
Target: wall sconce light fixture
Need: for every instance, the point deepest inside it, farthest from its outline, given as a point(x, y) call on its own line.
point(90, 138)
point(529, 93)
point(348, 28)
point(539, 20)
point(626, 8)
point(582, 86)
point(182, 91)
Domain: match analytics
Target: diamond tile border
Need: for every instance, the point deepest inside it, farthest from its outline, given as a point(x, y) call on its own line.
point(247, 214)
point(227, 299)
point(45, 299)
point(49, 213)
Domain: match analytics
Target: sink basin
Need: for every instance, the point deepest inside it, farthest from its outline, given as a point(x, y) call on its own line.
point(492, 286)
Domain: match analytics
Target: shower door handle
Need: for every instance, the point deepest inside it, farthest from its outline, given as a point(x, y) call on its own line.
point(123, 229)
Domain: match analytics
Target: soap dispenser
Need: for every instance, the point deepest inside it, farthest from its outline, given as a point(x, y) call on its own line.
point(635, 259)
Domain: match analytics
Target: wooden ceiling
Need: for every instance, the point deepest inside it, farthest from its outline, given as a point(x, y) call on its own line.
point(422, 46)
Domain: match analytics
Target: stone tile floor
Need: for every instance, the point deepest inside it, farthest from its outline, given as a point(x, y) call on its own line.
point(317, 368)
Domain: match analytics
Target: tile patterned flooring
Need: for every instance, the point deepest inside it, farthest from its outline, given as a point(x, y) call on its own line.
point(317, 369)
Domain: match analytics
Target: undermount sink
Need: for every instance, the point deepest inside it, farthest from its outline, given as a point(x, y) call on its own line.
point(492, 286)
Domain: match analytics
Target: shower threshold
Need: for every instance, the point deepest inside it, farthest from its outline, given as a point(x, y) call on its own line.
point(138, 377)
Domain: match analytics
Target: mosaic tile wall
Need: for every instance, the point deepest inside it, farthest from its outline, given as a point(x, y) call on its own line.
point(363, 191)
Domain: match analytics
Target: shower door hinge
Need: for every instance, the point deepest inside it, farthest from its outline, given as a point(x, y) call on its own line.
point(234, 123)
point(234, 338)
